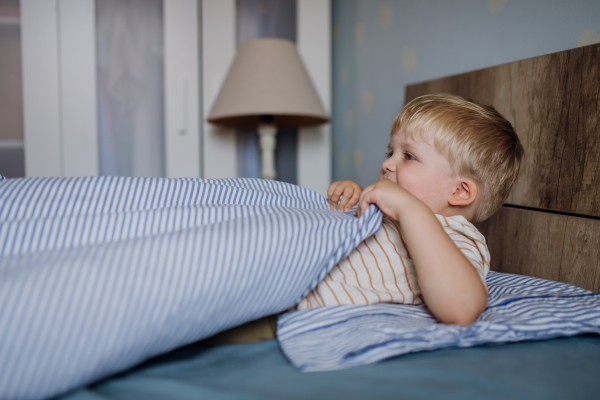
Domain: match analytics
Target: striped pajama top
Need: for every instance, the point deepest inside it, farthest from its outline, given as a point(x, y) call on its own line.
point(380, 269)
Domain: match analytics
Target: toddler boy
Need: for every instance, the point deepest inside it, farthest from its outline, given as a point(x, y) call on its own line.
point(450, 162)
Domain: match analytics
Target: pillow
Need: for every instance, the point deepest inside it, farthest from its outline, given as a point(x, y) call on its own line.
point(519, 308)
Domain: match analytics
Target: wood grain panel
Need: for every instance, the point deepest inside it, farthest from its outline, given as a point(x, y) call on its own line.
point(525, 243)
point(553, 103)
point(581, 254)
point(545, 245)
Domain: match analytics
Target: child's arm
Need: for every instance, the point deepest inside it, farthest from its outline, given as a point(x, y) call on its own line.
point(349, 192)
point(450, 285)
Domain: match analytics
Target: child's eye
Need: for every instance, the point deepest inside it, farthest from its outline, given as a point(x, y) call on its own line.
point(388, 155)
point(409, 156)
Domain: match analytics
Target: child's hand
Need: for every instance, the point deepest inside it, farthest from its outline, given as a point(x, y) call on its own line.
point(390, 197)
point(450, 286)
point(348, 191)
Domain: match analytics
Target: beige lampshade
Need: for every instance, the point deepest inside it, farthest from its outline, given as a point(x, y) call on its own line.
point(268, 77)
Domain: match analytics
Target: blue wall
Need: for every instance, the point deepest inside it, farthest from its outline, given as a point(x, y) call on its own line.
point(381, 46)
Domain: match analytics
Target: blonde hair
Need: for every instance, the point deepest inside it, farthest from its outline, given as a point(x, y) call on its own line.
point(478, 142)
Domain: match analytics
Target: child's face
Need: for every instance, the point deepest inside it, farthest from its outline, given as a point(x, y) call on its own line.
point(417, 166)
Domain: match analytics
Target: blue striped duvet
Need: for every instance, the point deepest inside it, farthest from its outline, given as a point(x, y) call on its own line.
point(99, 274)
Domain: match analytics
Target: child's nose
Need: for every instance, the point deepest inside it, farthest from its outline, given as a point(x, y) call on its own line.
point(388, 165)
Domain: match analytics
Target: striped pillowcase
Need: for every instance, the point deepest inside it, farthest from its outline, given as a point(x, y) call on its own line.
point(519, 308)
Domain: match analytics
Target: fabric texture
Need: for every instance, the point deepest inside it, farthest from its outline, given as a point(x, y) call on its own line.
point(380, 270)
point(100, 274)
point(519, 308)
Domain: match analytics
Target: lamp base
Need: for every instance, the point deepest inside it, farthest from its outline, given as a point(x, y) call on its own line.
point(267, 139)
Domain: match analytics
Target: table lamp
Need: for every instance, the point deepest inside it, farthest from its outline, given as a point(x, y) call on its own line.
point(267, 87)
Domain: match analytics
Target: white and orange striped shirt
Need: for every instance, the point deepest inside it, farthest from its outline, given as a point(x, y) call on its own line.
point(380, 269)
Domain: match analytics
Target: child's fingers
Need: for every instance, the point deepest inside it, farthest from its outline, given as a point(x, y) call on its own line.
point(332, 197)
point(343, 195)
point(366, 198)
point(352, 202)
point(346, 197)
point(361, 204)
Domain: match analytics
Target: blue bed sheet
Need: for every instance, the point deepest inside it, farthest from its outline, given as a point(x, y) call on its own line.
point(552, 369)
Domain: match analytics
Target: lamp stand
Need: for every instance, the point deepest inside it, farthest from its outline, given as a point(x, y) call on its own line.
point(267, 139)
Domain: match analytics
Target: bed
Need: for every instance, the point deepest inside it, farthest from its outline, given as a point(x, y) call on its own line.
point(565, 368)
point(549, 229)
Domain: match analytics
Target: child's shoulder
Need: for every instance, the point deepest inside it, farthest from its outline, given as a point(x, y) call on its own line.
point(459, 224)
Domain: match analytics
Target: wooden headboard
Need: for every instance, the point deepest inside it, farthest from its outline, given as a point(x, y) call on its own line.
point(550, 226)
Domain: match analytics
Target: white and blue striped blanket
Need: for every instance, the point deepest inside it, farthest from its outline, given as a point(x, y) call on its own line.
point(99, 274)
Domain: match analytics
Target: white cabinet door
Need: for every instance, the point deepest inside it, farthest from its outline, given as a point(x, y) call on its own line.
point(218, 51)
point(61, 113)
point(314, 45)
point(41, 106)
point(182, 88)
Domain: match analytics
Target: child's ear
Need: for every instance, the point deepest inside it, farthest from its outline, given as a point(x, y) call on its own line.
point(464, 194)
